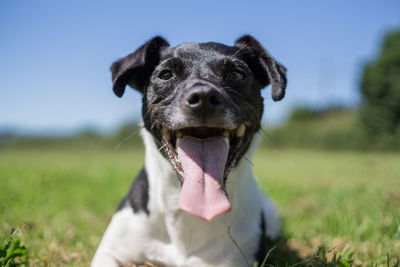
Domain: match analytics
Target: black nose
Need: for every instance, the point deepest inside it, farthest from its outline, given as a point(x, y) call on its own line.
point(204, 99)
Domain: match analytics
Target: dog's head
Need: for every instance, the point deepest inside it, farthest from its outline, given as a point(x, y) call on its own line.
point(202, 103)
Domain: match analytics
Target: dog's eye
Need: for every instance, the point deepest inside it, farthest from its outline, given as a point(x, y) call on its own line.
point(165, 75)
point(237, 75)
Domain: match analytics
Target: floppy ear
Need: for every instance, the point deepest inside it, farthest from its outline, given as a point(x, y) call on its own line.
point(266, 69)
point(136, 68)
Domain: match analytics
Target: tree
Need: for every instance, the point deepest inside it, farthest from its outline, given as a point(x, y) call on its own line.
point(380, 90)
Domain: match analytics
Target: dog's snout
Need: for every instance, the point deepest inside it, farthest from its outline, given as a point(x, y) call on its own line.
point(205, 99)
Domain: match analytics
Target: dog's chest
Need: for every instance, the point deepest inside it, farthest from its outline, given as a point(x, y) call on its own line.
point(178, 239)
point(156, 230)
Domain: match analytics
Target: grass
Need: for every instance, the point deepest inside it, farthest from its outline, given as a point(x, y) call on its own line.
point(333, 203)
point(14, 253)
point(337, 200)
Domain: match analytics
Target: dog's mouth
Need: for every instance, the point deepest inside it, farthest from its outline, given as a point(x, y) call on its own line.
point(203, 157)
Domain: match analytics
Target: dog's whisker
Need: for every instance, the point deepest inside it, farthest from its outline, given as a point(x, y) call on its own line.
point(272, 140)
point(163, 146)
point(237, 245)
point(240, 50)
point(249, 107)
point(249, 161)
point(230, 98)
point(126, 139)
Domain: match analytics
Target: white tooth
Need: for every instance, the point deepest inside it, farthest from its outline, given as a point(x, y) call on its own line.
point(225, 133)
point(178, 134)
point(240, 131)
point(165, 132)
point(227, 141)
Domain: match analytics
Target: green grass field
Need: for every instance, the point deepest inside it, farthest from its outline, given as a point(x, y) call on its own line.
point(62, 200)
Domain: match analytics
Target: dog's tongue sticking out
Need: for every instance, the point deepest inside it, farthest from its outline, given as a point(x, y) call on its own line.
point(203, 162)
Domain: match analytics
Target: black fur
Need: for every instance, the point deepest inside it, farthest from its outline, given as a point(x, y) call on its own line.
point(138, 195)
point(262, 244)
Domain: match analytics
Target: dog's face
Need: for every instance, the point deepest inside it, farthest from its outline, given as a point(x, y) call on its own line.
point(202, 103)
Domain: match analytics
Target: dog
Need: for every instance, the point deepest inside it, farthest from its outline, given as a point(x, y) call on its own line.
point(196, 201)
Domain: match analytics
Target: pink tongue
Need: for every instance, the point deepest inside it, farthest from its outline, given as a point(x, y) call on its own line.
point(203, 162)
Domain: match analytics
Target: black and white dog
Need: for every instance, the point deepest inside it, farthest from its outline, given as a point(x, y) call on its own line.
point(202, 108)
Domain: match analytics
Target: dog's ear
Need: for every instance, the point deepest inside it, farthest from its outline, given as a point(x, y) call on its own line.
point(266, 69)
point(136, 68)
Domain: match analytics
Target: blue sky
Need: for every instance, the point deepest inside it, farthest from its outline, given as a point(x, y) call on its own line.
point(55, 55)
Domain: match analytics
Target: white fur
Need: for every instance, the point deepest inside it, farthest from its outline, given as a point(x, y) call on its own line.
point(171, 237)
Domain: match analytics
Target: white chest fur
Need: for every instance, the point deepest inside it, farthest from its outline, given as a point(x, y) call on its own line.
point(171, 237)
